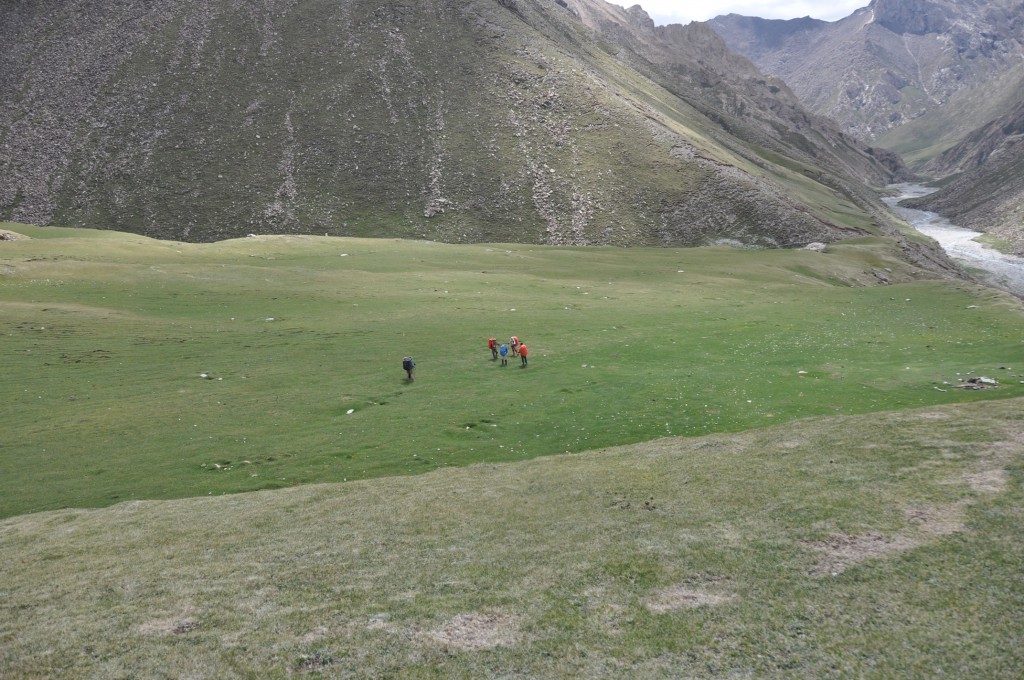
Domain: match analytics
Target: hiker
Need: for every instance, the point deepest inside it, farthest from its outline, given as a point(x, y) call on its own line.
point(492, 345)
point(504, 354)
point(514, 344)
point(408, 365)
point(522, 353)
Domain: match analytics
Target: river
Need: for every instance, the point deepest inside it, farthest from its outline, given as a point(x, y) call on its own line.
point(999, 270)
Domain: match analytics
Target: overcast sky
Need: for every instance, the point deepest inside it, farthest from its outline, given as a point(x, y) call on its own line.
point(684, 11)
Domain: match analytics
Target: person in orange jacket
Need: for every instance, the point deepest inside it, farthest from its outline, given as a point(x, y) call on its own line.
point(522, 353)
point(492, 345)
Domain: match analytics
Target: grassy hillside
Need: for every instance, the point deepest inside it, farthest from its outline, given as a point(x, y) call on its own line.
point(453, 120)
point(877, 546)
point(108, 338)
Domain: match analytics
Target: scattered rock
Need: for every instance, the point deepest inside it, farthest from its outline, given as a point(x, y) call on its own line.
point(816, 247)
point(978, 383)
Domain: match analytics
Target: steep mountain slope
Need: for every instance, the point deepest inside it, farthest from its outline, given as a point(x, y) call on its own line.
point(458, 120)
point(988, 192)
point(894, 64)
point(697, 66)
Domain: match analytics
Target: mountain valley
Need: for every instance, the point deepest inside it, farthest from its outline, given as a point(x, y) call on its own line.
point(938, 81)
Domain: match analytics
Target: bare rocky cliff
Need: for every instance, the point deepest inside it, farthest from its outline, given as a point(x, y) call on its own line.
point(456, 120)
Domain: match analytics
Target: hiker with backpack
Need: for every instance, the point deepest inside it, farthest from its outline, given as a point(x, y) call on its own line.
point(522, 353)
point(492, 345)
point(408, 365)
point(503, 351)
point(514, 344)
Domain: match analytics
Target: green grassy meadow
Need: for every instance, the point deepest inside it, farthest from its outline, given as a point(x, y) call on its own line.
point(772, 472)
point(301, 339)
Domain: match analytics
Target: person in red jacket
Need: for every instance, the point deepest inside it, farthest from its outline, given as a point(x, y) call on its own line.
point(513, 344)
point(522, 353)
point(492, 345)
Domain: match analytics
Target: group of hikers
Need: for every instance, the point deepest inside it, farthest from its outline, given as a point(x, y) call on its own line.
point(514, 345)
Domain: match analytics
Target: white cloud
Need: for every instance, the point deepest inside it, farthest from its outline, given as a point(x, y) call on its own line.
point(683, 12)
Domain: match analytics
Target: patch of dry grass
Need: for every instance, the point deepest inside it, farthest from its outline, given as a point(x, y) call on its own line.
point(798, 551)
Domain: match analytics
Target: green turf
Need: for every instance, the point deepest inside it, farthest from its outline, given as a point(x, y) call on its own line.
point(106, 337)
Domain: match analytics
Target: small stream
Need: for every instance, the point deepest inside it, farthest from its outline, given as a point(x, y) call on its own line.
point(1000, 270)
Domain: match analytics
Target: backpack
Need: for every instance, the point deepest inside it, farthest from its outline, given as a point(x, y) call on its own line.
point(408, 363)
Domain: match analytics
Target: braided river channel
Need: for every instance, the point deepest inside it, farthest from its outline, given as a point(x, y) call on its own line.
point(988, 264)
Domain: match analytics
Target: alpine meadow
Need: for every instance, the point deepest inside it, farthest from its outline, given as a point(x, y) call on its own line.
point(766, 429)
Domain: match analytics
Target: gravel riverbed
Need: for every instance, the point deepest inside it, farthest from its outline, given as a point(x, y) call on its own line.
point(999, 270)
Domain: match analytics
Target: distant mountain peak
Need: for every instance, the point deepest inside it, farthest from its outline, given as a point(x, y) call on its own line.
point(640, 17)
point(767, 33)
point(914, 17)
